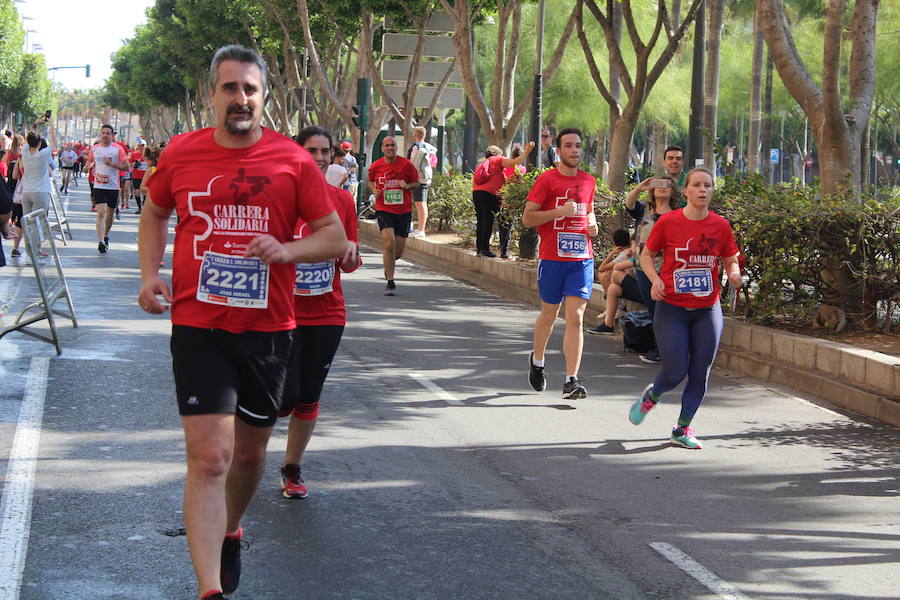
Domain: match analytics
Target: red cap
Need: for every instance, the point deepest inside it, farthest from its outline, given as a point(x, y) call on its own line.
point(346, 146)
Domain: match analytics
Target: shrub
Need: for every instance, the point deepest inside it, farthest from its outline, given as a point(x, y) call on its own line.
point(801, 251)
point(450, 204)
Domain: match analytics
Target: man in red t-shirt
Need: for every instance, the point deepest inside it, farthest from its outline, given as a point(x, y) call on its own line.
point(238, 190)
point(139, 167)
point(391, 178)
point(561, 207)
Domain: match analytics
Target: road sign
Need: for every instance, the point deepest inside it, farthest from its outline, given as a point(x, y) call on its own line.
point(809, 161)
point(430, 71)
point(450, 98)
point(439, 21)
point(773, 155)
point(404, 44)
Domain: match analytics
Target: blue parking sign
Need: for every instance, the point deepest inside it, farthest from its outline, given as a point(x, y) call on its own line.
point(773, 155)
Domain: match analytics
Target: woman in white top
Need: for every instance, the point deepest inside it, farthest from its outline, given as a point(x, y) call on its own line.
point(337, 174)
point(34, 170)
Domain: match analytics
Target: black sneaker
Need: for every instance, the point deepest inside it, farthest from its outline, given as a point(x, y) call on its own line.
point(487, 254)
point(536, 376)
point(218, 596)
point(391, 288)
point(651, 357)
point(574, 390)
point(101, 247)
point(231, 564)
point(602, 329)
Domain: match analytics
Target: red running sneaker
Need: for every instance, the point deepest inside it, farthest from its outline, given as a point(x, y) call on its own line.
point(292, 483)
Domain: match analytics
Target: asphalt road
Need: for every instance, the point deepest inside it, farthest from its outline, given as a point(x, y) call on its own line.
point(435, 471)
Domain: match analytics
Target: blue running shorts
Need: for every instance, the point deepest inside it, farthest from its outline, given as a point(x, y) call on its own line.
point(559, 278)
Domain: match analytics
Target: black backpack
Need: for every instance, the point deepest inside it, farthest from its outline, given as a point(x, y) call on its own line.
point(637, 332)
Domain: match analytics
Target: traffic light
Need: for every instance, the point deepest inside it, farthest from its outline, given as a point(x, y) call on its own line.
point(357, 114)
point(87, 70)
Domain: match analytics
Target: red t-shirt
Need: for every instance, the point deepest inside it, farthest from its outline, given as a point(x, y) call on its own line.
point(138, 157)
point(125, 152)
point(4, 171)
point(691, 252)
point(390, 177)
point(496, 180)
point(224, 198)
point(565, 238)
point(314, 304)
point(513, 173)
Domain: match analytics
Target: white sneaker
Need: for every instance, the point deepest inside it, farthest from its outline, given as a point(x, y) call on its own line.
point(417, 233)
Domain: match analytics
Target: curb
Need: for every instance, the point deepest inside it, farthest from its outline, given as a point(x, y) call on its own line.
point(861, 381)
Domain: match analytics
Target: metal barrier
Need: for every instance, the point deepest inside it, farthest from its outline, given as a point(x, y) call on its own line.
point(51, 282)
point(60, 216)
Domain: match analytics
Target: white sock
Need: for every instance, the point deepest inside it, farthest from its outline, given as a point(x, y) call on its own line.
point(537, 363)
point(571, 377)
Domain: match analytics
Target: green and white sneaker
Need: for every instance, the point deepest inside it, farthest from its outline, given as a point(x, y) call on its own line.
point(641, 406)
point(684, 437)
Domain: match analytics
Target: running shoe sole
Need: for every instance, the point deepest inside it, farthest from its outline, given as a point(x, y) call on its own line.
point(298, 496)
point(678, 442)
point(578, 393)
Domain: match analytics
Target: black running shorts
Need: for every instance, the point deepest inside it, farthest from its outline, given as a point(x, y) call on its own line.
point(107, 197)
point(312, 351)
point(217, 372)
point(399, 223)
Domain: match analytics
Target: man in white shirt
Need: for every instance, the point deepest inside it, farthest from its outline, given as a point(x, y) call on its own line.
point(67, 160)
point(420, 155)
point(107, 159)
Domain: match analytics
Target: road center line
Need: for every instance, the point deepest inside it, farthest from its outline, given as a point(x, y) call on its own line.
point(436, 389)
point(721, 588)
point(18, 490)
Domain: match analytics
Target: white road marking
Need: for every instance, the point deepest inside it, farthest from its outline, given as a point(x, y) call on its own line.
point(18, 490)
point(721, 588)
point(436, 389)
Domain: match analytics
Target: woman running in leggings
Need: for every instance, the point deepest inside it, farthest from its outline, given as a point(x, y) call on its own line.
point(321, 315)
point(688, 319)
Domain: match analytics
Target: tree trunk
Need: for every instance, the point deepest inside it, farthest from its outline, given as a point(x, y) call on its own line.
point(765, 134)
point(753, 145)
point(837, 129)
point(661, 140)
point(620, 146)
point(614, 10)
point(497, 124)
point(638, 87)
point(711, 93)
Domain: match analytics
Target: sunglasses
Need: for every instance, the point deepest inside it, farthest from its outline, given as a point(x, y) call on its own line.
point(543, 135)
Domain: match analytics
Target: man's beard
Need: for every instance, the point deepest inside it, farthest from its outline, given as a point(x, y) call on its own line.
point(568, 162)
point(239, 127)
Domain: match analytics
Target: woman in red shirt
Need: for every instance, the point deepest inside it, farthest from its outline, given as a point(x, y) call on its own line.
point(688, 317)
point(321, 315)
point(487, 181)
